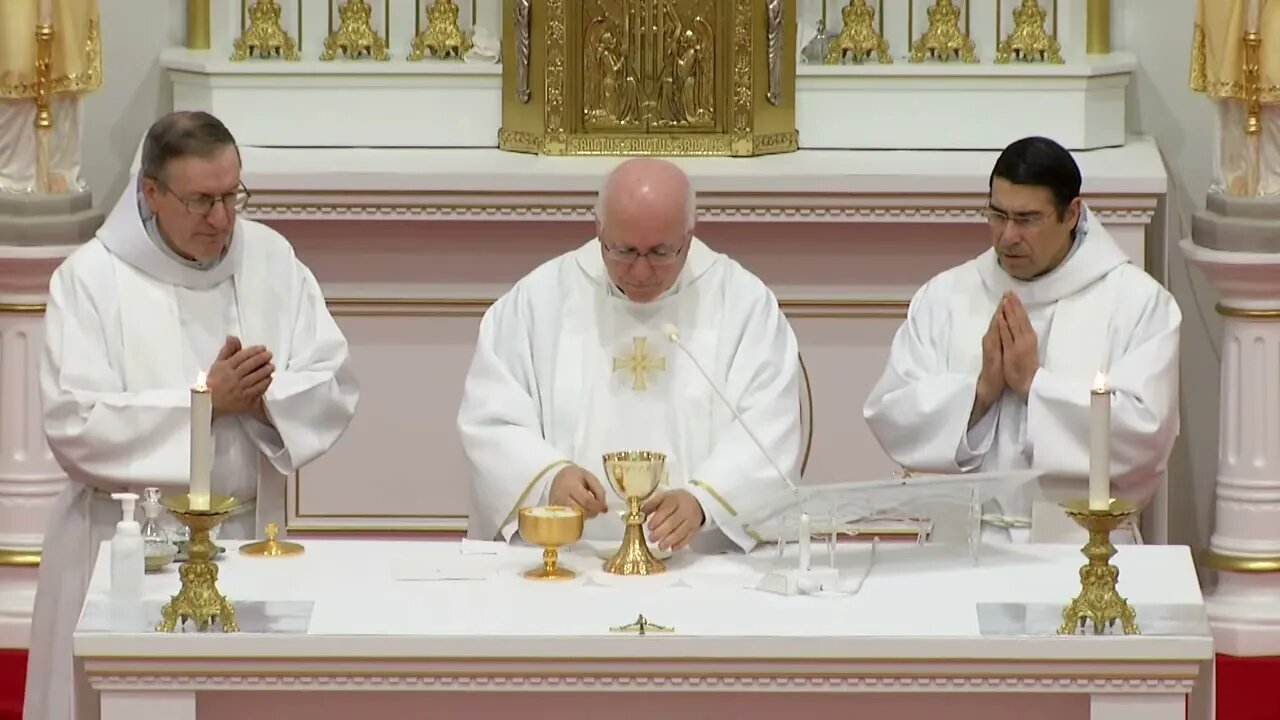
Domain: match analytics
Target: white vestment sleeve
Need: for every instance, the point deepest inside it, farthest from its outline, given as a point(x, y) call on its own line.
point(314, 393)
point(735, 485)
point(1144, 410)
point(500, 421)
point(919, 411)
point(100, 434)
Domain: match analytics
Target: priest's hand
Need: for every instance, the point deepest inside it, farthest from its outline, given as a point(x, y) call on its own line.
point(675, 517)
point(239, 377)
point(575, 487)
point(1020, 346)
point(991, 378)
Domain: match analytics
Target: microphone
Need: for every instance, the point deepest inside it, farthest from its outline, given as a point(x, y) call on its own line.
point(673, 335)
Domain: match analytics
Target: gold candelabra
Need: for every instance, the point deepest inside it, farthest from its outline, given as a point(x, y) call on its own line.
point(199, 600)
point(443, 37)
point(265, 36)
point(1099, 602)
point(859, 39)
point(355, 36)
point(1029, 41)
point(944, 40)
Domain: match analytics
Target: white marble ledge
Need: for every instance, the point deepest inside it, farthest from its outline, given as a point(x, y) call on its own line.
point(1092, 66)
point(1123, 184)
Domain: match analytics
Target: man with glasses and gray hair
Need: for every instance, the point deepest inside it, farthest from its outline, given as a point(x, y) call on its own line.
point(994, 366)
point(582, 357)
point(175, 286)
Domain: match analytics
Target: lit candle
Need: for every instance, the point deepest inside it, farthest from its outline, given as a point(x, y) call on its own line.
point(805, 536)
point(1100, 444)
point(201, 444)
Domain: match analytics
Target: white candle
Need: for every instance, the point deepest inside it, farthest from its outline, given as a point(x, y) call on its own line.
point(1251, 18)
point(201, 444)
point(1100, 444)
point(805, 536)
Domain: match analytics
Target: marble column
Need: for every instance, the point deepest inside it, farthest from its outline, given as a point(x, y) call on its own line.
point(1236, 244)
point(36, 234)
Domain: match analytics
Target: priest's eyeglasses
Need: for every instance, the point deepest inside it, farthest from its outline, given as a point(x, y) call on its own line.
point(1022, 222)
point(661, 255)
point(203, 204)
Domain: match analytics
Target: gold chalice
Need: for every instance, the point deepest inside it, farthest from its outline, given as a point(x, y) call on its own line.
point(634, 476)
point(552, 527)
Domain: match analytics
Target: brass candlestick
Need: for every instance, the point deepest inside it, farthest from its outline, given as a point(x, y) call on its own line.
point(944, 40)
point(859, 38)
point(198, 599)
point(355, 36)
point(1029, 41)
point(264, 35)
point(1098, 600)
point(634, 476)
point(442, 37)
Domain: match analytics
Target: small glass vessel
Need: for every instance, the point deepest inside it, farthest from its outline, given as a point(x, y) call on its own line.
point(158, 548)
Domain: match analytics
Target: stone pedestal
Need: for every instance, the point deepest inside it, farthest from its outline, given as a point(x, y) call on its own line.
point(1236, 244)
point(36, 234)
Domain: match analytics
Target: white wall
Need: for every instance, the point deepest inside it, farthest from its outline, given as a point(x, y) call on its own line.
point(1159, 31)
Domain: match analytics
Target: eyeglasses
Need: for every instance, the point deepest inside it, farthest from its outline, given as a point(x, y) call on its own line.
point(203, 204)
point(1023, 222)
point(659, 256)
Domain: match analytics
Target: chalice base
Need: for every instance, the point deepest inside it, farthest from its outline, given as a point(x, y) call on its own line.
point(634, 556)
point(198, 601)
point(550, 568)
point(1099, 602)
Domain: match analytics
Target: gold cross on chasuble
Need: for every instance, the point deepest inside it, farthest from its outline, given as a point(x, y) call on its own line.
point(639, 363)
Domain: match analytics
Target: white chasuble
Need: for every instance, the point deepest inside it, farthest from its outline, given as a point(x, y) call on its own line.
point(567, 369)
point(127, 330)
point(1094, 313)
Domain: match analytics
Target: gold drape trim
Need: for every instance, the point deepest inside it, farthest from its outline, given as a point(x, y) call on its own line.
point(715, 495)
point(524, 493)
point(1218, 55)
point(15, 85)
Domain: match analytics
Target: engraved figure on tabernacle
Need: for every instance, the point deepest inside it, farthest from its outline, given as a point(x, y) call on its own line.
point(686, 90)
point(773, 12)
point(612, 92)
point(522, 49)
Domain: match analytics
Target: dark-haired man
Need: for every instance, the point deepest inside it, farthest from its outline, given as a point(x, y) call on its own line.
point(173, 285)
point(993, 368)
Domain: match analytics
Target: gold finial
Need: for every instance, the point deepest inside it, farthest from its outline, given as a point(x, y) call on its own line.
point(944, 40)
point(443, 37)
point(355, 37)
point(859, 37)
point(264, 35)
point(1029, 41)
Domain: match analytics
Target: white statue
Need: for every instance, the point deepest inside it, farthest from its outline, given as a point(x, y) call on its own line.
point(76, 69)
point(1246, 159)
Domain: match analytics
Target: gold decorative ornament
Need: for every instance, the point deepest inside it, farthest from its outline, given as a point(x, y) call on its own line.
point(639, 363)
point(264, 35)
point(1252, 83)
point(45, 181)
point(1097, 38)
point(271, 547)
point(642, 626)
point(859, 38)
point(355, 36)
point(198, 24)
point(944, 40)
point(443, 37)
point(1099, 602)
point(550, 527)
point(199, 600)
point(649, 77)
point(1029, 41)
point(634, 476)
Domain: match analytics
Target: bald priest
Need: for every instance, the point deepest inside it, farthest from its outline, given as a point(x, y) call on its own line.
point(577, 360)
point(993, 368)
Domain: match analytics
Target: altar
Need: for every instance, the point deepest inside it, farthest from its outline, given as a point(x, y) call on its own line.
point(387, 628)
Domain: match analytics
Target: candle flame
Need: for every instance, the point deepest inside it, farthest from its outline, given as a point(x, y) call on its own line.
point(1100, 382)
point(200, 381)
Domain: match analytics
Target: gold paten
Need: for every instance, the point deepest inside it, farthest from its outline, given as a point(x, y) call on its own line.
point(265, 36)
point(859, 38)
point(443, 37)
point(634, 476)
point(1099, 602)
point(1029, 41)
point(550, 527)
point(198, 600)
point(649, 77)
point(271, 547)
point(944, 40)
point(355, 36)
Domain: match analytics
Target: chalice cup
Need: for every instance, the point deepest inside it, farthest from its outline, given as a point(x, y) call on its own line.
point(635, 476)
point(551, 527)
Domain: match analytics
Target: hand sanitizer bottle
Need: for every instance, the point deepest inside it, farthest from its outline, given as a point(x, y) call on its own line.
point(127, 567)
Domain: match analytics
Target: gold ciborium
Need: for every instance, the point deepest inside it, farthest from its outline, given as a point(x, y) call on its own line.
point(1098, 601)
point(198, 599)
point(634, 476)
point(551, 527)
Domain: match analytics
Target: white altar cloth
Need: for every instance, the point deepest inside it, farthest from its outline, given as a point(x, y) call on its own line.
point(407, 620)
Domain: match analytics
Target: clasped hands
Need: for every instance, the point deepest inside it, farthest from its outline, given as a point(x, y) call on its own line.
point(1010, 355)
point(674, 516)
point(239, 379)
